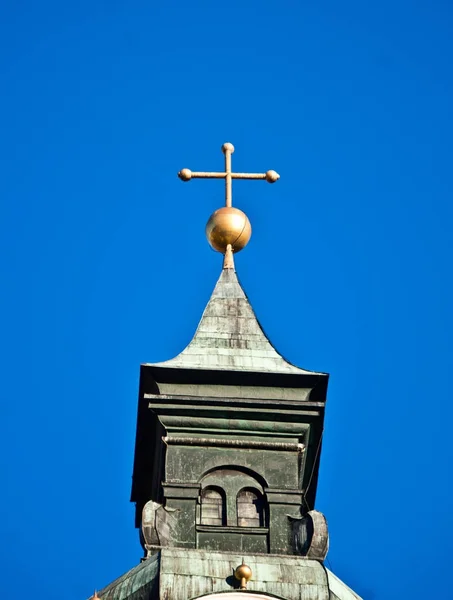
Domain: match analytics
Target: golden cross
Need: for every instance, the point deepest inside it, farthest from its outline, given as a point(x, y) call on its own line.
point(228, 175)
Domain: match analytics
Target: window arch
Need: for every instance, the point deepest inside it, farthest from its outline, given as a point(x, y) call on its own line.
point(213, 506)
point(250, 508)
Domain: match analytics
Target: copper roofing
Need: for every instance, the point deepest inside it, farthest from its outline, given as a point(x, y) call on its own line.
point(229, 336)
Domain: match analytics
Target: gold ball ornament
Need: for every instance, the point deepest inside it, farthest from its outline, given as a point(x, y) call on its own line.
point(227, 147)
point(272, 176)
point(243, 572)
point(185, 174)
point(228, 225)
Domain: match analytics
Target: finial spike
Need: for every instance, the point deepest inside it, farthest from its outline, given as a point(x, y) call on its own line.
point(228, 260)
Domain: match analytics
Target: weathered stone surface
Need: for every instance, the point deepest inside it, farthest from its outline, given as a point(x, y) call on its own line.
point(229, 336)
point(174, 574)
point(158, 525)
point(235, 391)
point(233, 539)
point(274, 468)
point(310, 535)
point(186, 576)
point(140, 583)
point(339, 590)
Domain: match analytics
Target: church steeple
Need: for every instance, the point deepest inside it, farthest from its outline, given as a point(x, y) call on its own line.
point(227, 454)
point(229, 380)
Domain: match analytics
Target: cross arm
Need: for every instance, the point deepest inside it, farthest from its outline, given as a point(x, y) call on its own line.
point(187, 175)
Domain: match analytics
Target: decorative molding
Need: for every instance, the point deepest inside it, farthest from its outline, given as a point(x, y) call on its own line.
point(310, 536)
point(232, 529)
point(232, 443)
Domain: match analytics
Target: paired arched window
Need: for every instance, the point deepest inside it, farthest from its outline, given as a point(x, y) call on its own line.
point(213, 506)
point(234, 498)
point(250, 508)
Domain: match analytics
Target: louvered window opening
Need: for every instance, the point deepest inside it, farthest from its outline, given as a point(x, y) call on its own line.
point(250, 509)
point(212, 507)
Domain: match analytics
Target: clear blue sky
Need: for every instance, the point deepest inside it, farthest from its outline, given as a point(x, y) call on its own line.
point(105, 265)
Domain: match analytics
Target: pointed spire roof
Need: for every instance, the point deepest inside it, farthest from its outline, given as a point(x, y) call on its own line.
point(229, 336)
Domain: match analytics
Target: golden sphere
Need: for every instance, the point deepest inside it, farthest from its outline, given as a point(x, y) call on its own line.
point(228, 225)
point(243, 572)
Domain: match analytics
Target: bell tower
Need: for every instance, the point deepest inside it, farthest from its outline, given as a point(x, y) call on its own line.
point(227, 452)
point(237, 427)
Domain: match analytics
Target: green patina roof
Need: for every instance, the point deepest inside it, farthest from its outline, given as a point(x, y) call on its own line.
point(339, 590)
point(229, 336)
point(140, 583)
point(178, 574)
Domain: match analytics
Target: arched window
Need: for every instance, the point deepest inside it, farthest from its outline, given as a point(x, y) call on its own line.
point(213, 510)
point(250, 507)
